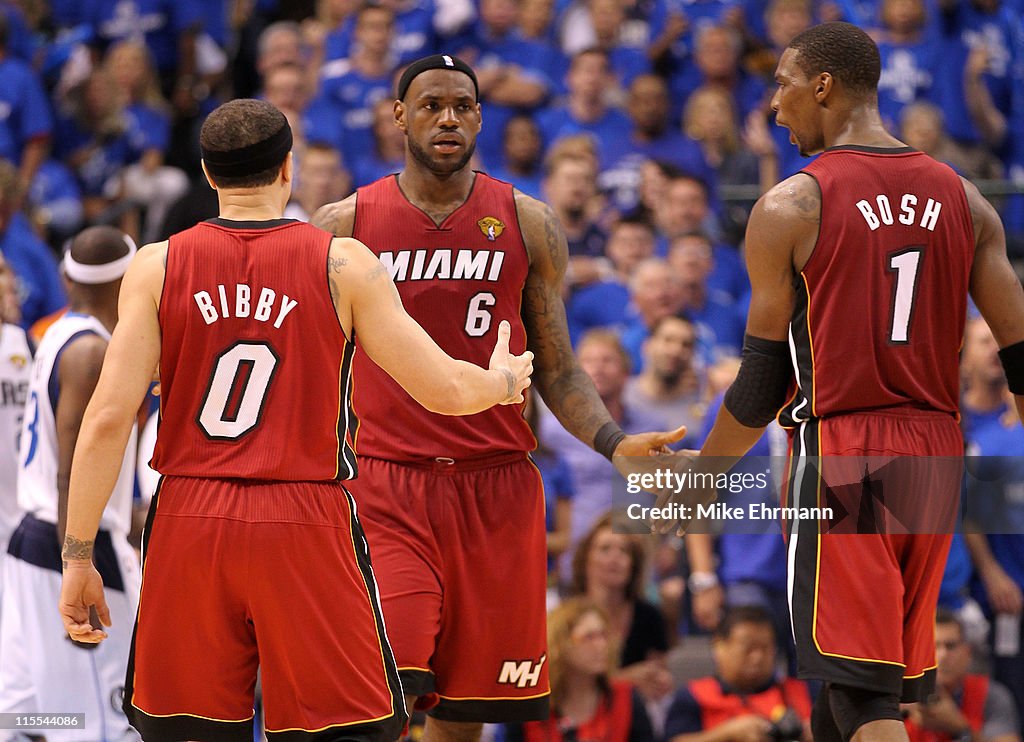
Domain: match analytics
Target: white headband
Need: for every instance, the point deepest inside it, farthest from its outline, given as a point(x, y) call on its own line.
point(103, 273)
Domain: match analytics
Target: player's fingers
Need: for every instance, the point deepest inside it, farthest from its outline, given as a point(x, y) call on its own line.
point(102, 613)
point(504, 333)
point(663, 439)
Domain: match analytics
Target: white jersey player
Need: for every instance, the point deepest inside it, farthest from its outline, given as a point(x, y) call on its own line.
point(43, 671)
point(15, 364)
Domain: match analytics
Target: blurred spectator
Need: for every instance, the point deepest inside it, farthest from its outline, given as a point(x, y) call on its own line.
point(147, 181)
point(670, 383)
point(351, 87)
point(655, 293)
point(966, 26)
point(586, 110)
point(719, 326)
point(586, 703)
point(558, 491)
point(983, 401)
point(607, 18)
point(744, 700)
point(683, 209)
point(651, 137)
point(169, 29)
point(320, 178)
point(717, 64)
point(569, 189)
point(10, 306)
point(608, 569)
point(537, 21)
point(523, 163)
point(388, 152)
point(908, 53)
point(94, 140)
point(736, 157)
point(603, 359)
point(604, 303)
point(923, 129)
point(286, 87)
point(25, 120)
point(512, 72)
point(55, 203)
point(965, 706)
point(39, 287)
point(282, 43)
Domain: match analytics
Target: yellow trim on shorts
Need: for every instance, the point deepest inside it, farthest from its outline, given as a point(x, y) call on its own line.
point(496, 698)
point(921, 674)
point(332, 726)
point(421, 669)
point(195, 716)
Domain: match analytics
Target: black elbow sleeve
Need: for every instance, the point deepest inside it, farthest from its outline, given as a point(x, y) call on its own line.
point(759, 391)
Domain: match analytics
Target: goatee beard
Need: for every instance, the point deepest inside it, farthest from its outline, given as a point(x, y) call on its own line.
point(426, 160)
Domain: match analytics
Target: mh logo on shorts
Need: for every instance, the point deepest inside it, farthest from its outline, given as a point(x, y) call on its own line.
point(521, 673)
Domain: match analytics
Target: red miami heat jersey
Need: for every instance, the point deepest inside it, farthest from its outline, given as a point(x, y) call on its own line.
point(882, 300)
point(255, 370)
point(458, 280)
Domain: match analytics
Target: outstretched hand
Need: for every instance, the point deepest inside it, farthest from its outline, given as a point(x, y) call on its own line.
point(649, 444)
point(80, 590)
point(517, 369)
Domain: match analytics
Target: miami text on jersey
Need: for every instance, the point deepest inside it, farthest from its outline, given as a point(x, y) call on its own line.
point(422, 265)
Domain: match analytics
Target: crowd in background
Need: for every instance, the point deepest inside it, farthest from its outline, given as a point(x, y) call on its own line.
point(645, 125)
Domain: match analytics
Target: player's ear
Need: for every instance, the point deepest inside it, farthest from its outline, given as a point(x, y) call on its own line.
point(823, 86)
point(288, 168)
point(400, 116)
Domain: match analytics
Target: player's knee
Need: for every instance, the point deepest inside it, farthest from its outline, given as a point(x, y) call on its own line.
point(853, 707)
point(439, 730)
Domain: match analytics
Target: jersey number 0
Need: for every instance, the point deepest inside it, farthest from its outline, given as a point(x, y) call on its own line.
point(237, 392)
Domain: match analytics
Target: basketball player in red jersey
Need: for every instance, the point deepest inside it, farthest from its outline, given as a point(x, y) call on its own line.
point(860, 267)
point(454, 508)
point(254, 554)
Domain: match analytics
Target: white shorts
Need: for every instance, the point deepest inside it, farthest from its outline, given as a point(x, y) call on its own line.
point(43, 672)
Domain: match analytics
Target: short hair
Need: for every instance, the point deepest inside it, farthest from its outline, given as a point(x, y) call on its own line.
point(844, 51)
point(368, 7)
point(242, 123)
point(752, 614)
point(632, 220)
point(610, 339)
point(946, 617)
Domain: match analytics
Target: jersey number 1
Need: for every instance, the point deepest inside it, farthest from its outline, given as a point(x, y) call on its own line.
point(906, 265)
point(237, 390)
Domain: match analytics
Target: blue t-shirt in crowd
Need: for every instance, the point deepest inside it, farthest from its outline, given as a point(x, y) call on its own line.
point(24, 109)
point(38, 279)
point(555, 123)
point(906, 76)
point(347, 98)
point(161, 22)
point(414, 34)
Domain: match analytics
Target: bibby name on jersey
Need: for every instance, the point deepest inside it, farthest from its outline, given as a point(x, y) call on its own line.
point(242, 305)
point(468, 265)
point(908, 213)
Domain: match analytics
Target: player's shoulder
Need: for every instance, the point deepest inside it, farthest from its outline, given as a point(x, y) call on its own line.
point(338, 218)
point(533, 213)
point(797, 198)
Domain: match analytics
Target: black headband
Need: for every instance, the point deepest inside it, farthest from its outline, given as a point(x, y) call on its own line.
point(435, 62)
point(252, 159)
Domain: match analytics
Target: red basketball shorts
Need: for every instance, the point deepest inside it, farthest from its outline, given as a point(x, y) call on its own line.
point(459, 553)
point(276, 575)
point(864, 582)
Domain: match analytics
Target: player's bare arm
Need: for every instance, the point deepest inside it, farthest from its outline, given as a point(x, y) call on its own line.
point(368, 302)
point(338, 218)
point(77, 372)
point(564, 386)
point(128, 368)
point(996, 290)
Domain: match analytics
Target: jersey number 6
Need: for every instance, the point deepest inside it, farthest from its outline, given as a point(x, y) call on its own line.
point(237, 390)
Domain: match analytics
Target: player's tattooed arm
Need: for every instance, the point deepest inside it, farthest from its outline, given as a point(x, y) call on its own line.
point(565, 387)
point(76, 550)
point(338, 218)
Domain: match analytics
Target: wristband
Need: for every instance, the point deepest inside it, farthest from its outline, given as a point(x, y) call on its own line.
point(607, 439)
point(1012, 358)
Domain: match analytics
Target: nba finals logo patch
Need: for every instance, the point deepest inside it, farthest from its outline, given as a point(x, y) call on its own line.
point(19, 361)
point(491, 227)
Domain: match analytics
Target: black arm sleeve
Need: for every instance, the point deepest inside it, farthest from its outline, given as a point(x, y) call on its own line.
point(759, 391)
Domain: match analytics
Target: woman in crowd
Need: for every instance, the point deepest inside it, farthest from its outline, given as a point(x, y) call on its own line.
point(587, 705)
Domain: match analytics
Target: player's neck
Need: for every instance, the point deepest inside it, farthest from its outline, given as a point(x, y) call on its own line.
point(435, 195)
point(862, 126)
point(256, 205)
